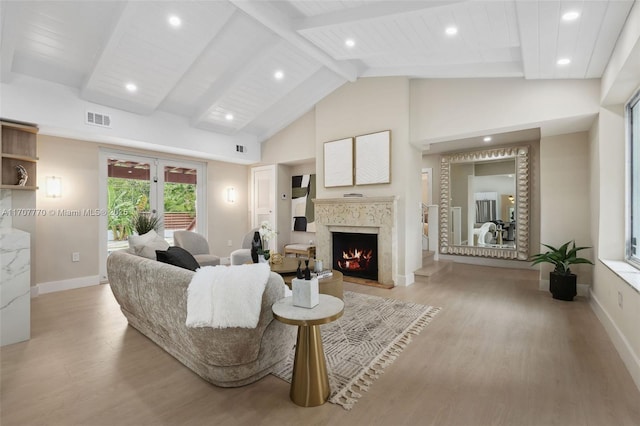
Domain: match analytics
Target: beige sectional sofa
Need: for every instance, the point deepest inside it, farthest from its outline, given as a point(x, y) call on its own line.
point(153, 297)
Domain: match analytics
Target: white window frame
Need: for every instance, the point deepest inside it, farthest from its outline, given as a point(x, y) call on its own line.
point(633, 185)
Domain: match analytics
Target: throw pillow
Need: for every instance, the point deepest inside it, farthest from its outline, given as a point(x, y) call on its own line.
point(139, 240)
point(149, 250)
point(178, 256)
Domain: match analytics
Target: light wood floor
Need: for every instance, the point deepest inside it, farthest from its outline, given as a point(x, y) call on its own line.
point(499, 353)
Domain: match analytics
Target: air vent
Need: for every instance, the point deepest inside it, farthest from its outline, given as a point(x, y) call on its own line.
point(98, 119)
point(241, 148)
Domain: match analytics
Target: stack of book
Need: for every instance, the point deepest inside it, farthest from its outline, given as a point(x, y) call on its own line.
point(324, 274)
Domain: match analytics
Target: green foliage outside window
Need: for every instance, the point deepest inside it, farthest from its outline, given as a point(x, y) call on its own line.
point(128, 197)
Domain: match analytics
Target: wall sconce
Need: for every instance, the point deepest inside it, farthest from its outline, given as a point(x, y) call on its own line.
point(54, 187)
point(231, 195)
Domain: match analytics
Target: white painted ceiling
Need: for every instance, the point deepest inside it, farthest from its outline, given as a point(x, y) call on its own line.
point(222, 59)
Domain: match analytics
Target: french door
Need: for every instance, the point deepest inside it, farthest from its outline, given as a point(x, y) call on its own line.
point(134, 185)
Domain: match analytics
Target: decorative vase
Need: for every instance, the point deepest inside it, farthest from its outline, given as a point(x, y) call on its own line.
point(256, 245)
point(563, 287)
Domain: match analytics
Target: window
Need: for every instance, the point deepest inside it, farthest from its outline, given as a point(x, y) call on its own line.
point(633, 117)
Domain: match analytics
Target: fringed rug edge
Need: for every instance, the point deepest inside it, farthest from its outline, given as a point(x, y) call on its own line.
point(349, 395)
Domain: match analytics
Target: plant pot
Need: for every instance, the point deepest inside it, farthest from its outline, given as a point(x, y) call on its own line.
point(562, 287)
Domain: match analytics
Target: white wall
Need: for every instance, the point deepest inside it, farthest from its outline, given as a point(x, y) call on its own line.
point(620, 81)
point(366, 106)
point(38, 101)
point(444, 110)
point(295, 143)
point(565, 202)
point(607, 147)
point(77, 163)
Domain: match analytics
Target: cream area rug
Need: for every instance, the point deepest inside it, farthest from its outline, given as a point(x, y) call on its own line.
point(369, 336)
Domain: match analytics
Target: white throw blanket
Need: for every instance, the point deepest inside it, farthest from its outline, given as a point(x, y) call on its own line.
point(226, 296)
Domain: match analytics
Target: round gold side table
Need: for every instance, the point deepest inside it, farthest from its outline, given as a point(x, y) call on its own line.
point(309, 382)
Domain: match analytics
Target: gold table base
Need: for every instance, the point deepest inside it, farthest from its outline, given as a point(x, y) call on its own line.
point(310, 382)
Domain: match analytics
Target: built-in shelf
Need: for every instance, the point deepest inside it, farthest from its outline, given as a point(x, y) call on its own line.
point(19, 187)
point(20, 157)
point(18, 152)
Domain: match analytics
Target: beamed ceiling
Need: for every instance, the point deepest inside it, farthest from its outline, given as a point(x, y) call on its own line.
point(256, 66)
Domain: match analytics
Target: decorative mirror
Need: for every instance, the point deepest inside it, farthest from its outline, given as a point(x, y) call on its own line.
point(484, 203)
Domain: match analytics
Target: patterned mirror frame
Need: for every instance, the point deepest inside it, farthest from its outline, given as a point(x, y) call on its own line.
point(521, 156)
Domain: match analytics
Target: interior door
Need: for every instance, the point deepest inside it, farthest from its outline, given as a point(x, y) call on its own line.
point(264, 198)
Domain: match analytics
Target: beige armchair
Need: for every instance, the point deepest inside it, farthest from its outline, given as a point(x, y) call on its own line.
point(243, 255)
point(197, 245)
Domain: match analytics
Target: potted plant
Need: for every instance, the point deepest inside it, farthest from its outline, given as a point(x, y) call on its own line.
point(266, 232)
point(562, 283)
point(145, 222)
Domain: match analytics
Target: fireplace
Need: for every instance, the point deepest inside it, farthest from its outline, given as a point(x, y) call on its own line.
point(356, 254)
point(362, 215)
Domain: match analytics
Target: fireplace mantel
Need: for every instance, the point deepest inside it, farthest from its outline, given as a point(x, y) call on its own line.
point(360, 214)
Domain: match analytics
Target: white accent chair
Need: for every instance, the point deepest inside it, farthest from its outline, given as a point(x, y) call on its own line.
point(242, 255)
point(197, 245)
point(486, 233)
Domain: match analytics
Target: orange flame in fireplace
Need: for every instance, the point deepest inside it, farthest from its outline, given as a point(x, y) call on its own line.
point(355, 260)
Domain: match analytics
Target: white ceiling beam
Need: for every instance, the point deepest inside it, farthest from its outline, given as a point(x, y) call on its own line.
point(128, 14)
point(528, 24)
point(371, 11)
point(233, 76)
point(120, 25)
point(297, 102)
point(484, 70)
point(226, 19)
point(274, 20)
point(12, 21)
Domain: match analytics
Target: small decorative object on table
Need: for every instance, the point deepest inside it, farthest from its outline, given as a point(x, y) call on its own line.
point(305, 292)
point(307, 271)
point(324, 274)
point(23, 176)
point(276, 259)
point(299, 273)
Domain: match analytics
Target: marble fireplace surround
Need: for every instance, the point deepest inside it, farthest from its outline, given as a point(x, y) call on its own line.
point(366, 215)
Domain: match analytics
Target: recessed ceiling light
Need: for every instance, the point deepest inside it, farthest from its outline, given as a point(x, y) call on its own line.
point(131, 87)
point(451, 30)
point(487, 139)
point(571, 16)
point(175, 21)
point(278, 75)
point(349, 42)
point(229, 117)
point(564, 61)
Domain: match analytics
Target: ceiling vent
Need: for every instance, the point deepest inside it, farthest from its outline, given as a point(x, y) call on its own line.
point(241, 148)
point(98, 119)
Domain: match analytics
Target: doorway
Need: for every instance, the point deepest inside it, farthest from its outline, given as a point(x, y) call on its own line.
point(132, 185)
point(263, 199)
point(427, 178)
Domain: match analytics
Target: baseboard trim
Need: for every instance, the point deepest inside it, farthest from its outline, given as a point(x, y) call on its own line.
point(620, 342)
point(70, 284)
point(405, 280)
point(583, 290)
